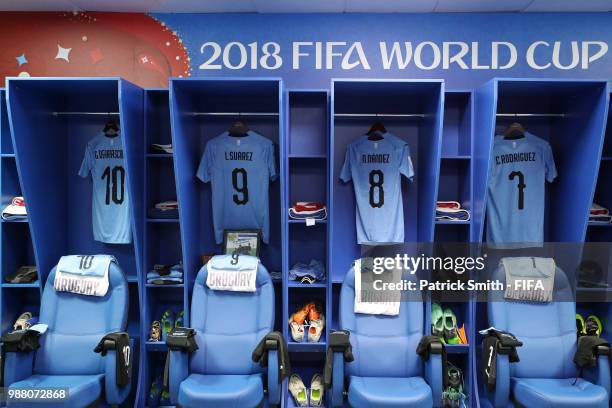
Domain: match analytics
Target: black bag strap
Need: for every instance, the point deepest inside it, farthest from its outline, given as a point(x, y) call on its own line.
point(179, 339)
point(17, 341)
point(120, 343)
point(497, 342)
point(182, 339)
point(433, 345)
point(273, 341)
point(339, 342)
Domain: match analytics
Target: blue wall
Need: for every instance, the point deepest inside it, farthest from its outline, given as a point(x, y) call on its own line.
point(521, 30)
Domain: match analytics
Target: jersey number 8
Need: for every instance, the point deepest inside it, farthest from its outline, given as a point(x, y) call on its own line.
point(377, 178)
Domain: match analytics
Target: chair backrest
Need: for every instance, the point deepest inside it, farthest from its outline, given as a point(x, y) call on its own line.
point(547, 330)
point(383, 346)
point(77, 323)
point(230, 324)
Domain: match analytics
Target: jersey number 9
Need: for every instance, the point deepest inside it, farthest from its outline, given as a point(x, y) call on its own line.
point(241, 185)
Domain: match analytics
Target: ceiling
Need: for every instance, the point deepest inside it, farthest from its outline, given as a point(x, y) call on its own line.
point(307, 6)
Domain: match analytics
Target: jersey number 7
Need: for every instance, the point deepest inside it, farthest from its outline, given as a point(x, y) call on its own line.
point(521, 187)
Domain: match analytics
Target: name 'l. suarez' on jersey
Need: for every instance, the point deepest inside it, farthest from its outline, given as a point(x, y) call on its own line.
point(239, 170)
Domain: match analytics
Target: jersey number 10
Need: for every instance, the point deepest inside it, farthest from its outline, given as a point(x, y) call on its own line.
point(115, 184)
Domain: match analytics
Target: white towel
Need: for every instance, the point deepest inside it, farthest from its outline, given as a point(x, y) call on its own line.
point(520, 271)
point(83, 275)
point(390, 306)
point(240, 277)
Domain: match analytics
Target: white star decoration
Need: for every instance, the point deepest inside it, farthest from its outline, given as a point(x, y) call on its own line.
point(63, 53)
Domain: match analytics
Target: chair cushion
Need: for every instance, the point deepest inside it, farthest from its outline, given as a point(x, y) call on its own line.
point(221, 391)
point(410, 392)
point(558, 393)
point(83, 390)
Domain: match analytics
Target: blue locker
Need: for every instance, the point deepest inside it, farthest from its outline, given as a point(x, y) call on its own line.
point(52, 119)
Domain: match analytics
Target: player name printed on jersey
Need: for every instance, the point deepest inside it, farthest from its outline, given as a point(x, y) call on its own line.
point(108, 154)
point(375, 158)
point(239, 156)
point(110, 202)
point(518, 173)
point(376, 167)
point(240, 170)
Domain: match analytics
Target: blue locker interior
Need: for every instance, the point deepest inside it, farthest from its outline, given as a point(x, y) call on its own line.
point(306, 173)
point(161, 239)
point(571, 116)
point(15, 239)
point(52, 119)
point(412, 110)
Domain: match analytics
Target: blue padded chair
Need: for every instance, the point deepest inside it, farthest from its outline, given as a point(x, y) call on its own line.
point(545, 374)
point(65, 359)
point(386, 371)
point(228, 326)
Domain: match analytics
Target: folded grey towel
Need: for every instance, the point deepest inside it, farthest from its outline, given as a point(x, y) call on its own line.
point(521, 272)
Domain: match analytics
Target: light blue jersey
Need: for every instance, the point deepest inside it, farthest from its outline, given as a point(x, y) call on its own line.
point(240, 170)
point(518, 173)
point(110, 201)
point(376, 168)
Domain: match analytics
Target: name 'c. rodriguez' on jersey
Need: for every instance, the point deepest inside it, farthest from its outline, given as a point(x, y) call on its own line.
point(519, 169)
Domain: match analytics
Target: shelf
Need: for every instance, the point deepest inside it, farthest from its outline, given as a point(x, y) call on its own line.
point(308, 156)
point(151, 285)
point(594, 290)
point(457, 348)
point(296, 284)
point(449, 222)
point(160, 155)
point(293, 221)
point(308, 347)
point(606, 158)
point(159, 346)
point(21, 285)
point(162, 220)
point(8, 155)
point(599, 224)
point(132, 279)
point(456, 157)
point(13, 221)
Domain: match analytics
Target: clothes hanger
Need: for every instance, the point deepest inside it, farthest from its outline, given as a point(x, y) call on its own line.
point(238, 129)
point(376, 131)
point(514, 131)
point(111, 129)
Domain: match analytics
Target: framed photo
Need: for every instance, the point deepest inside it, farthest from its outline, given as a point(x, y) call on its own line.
point(244, 242)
